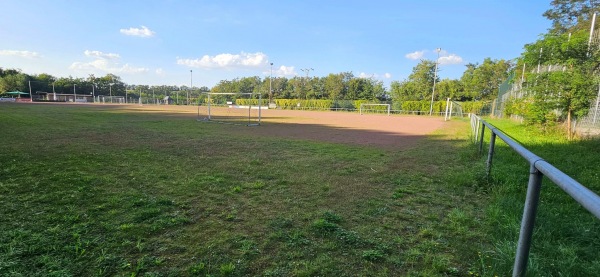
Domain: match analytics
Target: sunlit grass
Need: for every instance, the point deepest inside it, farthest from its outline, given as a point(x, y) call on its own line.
point(98, 191)
point(566, 237)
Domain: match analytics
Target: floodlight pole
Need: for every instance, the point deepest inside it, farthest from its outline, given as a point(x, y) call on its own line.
point(307, 70)
point(75, 94)
point(434, 79)
point(93, 93)
point(191, 76)
point(271, 85)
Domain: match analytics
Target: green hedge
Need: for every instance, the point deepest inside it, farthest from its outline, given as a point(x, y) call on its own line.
point(415, 107)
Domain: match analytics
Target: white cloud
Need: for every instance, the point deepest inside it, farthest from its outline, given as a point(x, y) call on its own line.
point(98, 54)
point(105, 62)
point(451, 59)
point(137, 32)
point(160, 72)
point(282, 71)
point(367, 76)
point(23, 54)
point(417, 55)
point(374, 76)
point(286, 71)
point(226, 60)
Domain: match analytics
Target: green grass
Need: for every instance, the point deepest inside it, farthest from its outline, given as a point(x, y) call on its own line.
point(566, 237)
point(100, 191)
point(96, 191)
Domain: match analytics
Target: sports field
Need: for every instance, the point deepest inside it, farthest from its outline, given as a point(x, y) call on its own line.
point(148, 190)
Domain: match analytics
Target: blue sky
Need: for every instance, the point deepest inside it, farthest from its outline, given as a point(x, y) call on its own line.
point(159, 42)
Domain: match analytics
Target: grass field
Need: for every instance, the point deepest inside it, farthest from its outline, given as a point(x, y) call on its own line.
point(566, 239)
point(105, 191)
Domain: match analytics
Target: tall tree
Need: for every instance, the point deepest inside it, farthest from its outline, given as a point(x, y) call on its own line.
point(481, 81)
point(567, 83)
point(418, 85)
point(571, 15)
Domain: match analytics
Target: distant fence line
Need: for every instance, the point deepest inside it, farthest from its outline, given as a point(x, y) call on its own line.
point(512, 88)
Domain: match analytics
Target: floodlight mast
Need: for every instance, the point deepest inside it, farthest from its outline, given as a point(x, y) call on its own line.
point(271, 85)
point(188, 95)
point(307, 71)
point(434, 79)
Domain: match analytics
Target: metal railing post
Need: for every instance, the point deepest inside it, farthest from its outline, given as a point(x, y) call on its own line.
point(481, 138)
point(488, 168)
point(531, 203)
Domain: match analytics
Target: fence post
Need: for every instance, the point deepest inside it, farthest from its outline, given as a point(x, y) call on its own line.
point(488, 169)
point(481, 137)
point(531, 203)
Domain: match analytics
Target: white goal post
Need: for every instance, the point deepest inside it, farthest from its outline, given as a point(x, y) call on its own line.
point(112, 99)
point(365, 108)
point(452, 107)
point(231, 108)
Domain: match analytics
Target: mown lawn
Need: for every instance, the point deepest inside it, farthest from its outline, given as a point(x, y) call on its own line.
point(97, 191)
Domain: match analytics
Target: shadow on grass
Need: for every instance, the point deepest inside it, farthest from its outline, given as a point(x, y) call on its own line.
point(100, 190)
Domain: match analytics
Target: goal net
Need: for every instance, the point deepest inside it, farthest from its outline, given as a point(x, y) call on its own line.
point(231, 108)
point(112, 99)
point(453, 108)
point(375, 108)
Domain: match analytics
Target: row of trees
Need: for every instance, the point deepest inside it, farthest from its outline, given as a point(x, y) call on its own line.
point(479, 82)
point(109, 85)
point(341, 86)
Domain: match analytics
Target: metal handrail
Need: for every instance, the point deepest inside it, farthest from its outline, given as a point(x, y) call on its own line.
point(538, 168)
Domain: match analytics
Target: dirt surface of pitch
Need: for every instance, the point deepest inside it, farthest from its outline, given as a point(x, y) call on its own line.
point(378, 130)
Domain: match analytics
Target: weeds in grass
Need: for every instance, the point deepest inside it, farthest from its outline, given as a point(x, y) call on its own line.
point(109, 192)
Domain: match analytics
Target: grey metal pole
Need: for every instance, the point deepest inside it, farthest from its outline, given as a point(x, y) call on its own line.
point(488, 168)
point(481, 138)
point(434, 79)
point(74, 93)
point(270, 85)
point(188, 100)
point(527, 223)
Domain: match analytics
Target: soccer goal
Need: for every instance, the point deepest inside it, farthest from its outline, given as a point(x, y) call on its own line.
point(375, 108)
point(112, 99)
point(453, 108)
point(230, 108)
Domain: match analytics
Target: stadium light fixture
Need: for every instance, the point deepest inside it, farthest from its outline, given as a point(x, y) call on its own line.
point(271, 85)
point(188, 96)
point(434, 79)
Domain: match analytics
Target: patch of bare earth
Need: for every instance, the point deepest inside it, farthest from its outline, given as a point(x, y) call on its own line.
point(396, 131)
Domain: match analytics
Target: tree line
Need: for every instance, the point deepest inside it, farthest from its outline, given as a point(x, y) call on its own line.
point(479, 82)
point(108, 85)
